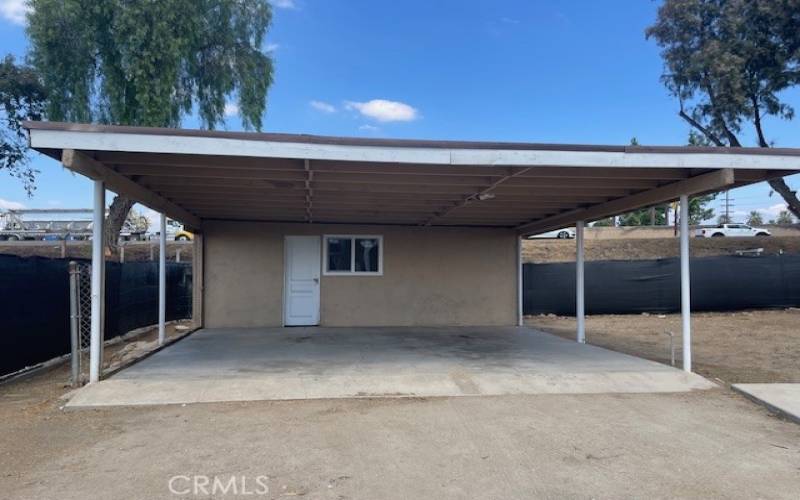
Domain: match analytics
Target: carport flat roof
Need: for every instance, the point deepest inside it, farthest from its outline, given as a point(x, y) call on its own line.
point(194, 175)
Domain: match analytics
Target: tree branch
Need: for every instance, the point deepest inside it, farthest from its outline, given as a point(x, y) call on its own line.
point(705, 131)
point(783, 189)
point(733, 141)
point(778, 185)
point(762, 142)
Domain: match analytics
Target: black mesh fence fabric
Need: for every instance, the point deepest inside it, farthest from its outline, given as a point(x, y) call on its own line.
point(722, 283)
point(34, 304)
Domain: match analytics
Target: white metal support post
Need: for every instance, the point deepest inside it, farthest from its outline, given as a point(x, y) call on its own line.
point(162, 279)
point(519, 281)
point(579, 284)
point(98, 266)
point(686, 304)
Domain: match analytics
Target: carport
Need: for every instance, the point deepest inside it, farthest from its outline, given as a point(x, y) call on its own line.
point(315, 218)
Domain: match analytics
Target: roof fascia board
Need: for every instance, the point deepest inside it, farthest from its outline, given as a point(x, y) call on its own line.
point(171, 144)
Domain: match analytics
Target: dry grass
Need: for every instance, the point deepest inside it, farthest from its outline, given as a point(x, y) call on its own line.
point(741, 347)
point(656, 248)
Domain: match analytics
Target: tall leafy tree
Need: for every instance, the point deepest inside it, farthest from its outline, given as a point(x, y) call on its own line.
point(754, 218)
point(151, 64)
point(784, 218)
point(657, 215)
point(727, 62)
point(22, 97)
point(653, 216)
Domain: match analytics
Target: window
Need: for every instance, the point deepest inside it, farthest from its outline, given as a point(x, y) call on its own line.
point(353, 254)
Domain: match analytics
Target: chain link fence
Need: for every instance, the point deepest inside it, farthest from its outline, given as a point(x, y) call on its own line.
point(43, 301)
point(80, 319)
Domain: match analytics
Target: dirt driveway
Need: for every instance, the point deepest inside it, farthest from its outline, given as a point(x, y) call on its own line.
point(703, 444)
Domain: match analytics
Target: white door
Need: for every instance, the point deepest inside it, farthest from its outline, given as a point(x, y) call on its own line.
point(301, 287)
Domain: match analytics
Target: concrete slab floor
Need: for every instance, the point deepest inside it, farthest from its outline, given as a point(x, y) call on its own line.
point(783, 399)
point(221, 364)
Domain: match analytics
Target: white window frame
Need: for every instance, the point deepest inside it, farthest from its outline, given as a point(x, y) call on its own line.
point(352, 272)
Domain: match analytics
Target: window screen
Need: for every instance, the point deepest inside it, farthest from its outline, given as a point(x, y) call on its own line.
point(339, 258)
point(366, 250)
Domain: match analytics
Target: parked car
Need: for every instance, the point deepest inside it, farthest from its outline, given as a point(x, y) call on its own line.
point(561, 234)
point(731, 230)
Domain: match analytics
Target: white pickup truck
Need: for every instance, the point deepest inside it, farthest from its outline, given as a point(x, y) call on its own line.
point(731, 230)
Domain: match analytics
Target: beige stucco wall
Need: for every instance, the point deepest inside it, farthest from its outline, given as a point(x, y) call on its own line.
point(431, 276)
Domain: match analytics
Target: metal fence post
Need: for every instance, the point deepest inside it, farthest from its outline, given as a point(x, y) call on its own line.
point(75, 359)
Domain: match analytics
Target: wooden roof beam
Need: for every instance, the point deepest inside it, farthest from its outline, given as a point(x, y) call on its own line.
point(712, 181)
point(84, 164)
point(477, 195)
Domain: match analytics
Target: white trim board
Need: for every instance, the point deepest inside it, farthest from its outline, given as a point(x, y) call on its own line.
point(148, 143)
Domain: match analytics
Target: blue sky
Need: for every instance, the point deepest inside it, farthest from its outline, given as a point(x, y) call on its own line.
point(535, 70)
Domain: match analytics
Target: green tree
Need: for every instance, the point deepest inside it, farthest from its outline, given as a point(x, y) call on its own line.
point(653, 216)
point(727, 62)
point(754, 218)
point(657, 215)
point(650, 216)
point(150, 64)
point(607, 222)
point(784, 218)
point(699, 210)
point(22, 97)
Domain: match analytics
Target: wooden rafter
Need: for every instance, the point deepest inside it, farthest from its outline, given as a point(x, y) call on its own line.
point(309, 191)
point(476, 195)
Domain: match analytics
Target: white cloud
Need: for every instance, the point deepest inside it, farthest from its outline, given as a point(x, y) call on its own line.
point(322, 106)
point(231, 109)
point(284, 4)
point(8, 204)
point(384, 111)
point(271, 47)
point(14, 10)
point(368, 128)
point(775, 209)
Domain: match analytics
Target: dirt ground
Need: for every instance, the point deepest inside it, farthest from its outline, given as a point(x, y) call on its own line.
point(83, 250)
point(708, 444)
point(740, 347)
point(655, 248)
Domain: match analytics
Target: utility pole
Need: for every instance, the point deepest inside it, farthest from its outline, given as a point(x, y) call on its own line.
point(727, 207)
